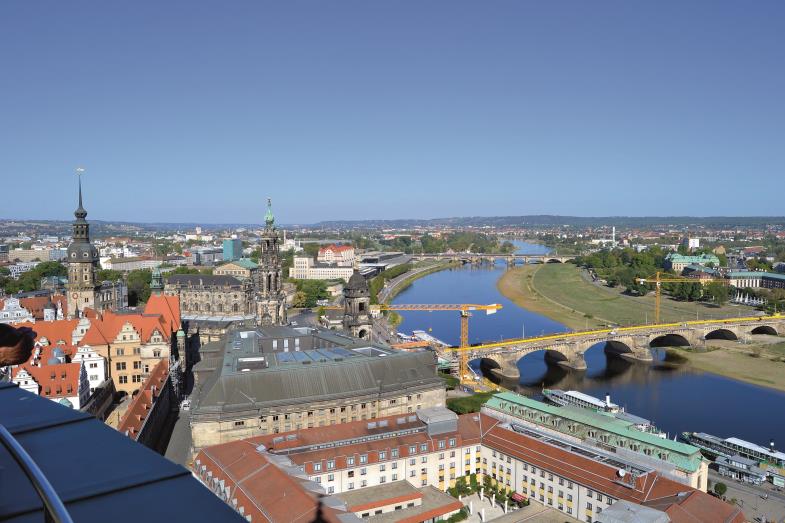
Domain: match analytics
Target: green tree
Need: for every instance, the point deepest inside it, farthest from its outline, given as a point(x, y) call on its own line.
point(108, 275)
point(717, 292)
point(138, 286)
point(720, 489)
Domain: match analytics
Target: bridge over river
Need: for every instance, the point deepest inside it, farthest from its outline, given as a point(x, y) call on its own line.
point(629, 342)
point(510, 259)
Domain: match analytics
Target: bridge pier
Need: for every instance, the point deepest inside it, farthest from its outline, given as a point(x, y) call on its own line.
point(574, 361)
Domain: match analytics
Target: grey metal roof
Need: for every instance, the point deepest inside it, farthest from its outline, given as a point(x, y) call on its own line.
point(626, 512)
point(94, 469)
point(203, 280)
point(286, 384)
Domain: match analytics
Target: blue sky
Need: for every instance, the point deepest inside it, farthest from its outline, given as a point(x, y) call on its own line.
point(197, 111)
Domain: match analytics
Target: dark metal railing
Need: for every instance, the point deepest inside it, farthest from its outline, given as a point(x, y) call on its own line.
point(54, 510)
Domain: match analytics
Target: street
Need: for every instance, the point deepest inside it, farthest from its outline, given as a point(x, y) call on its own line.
point(749, 500)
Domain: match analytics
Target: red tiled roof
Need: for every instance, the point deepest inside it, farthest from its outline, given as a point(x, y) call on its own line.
point(168, 307)
point(133, 419)
point(55, 381)
point(53, 331)
point(335, 248)
point(698, 506)
point(265, 492)
point(36, 304)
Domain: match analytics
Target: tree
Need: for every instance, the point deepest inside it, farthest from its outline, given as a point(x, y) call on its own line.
point(138, 286)
point(717, 292)
point(720, 489)
point(108, 275)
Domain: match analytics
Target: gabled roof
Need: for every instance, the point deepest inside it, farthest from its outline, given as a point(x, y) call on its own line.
point(168, 307)
point(53, 331)
point(245, 263)
point(137, 412)
point(55, 381)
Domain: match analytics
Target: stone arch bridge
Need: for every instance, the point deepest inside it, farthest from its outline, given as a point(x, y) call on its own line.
point(510, 259)
point(629, 342)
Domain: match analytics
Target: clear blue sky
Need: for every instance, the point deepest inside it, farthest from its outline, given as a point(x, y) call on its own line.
point(197, 111)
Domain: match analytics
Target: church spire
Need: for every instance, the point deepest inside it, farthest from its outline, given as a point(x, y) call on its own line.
point(80, 212)
point(269, 219)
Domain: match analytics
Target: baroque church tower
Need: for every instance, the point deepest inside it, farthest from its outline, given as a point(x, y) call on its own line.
point(357, 305)
point(270, 298)
point(82, 261)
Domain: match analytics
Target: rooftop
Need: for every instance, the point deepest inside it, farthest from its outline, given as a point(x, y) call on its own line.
point(117, 476)
point(505, 402)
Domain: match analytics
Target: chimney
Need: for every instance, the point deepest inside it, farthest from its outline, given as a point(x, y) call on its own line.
point(607, 399)
point(771, 446)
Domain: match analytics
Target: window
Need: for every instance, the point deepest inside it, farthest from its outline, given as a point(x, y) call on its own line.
point(120, 365)
point(137, 365)
point(331, 490)
point(412, 449)
point(561, 481)
point(394, 453)
point(588, 493)
point(441, 455)
point(394, 466)
point(569, 497)
point(136, 378)
point(350, 461)
point(424, 447)
point(599, 497)
point(395, 477)
point(452, 442)
point(382, 455)
point(123, 379)
point(382, 479)
point(363, 471)
point(442, 444)
point(382, 467)
point(317, 466)
point(424, 459)
point(363, 458)
point(412, 473)
point(330, 464)
point(120, 352)
point(412, 461)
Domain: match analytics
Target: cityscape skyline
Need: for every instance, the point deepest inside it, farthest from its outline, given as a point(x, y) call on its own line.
point(481, 117)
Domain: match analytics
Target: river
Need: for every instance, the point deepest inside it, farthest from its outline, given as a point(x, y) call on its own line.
point(675, 398)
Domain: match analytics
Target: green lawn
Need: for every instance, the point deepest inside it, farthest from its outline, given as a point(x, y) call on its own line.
point(564, 284)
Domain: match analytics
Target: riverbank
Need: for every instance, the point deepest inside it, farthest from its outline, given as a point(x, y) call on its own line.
point(419, 272)
point(759, 364)
point(518, 285)
point(565, 293)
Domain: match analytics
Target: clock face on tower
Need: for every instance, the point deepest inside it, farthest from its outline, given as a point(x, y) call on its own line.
point(74, 295)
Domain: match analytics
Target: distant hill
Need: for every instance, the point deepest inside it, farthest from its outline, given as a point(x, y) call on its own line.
point(545, 220)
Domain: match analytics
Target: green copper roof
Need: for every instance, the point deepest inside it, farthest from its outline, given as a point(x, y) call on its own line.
point(269, 219)
point(687, 456)
point(245, 263)
point(675, 257)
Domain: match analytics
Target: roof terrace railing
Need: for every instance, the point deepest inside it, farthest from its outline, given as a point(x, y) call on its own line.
point(54, 509)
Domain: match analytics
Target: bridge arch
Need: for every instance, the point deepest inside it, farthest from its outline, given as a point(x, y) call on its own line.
point(721, 334)
point(669, 340)
point(765, 329)
point(617, 348)
point(553, 260)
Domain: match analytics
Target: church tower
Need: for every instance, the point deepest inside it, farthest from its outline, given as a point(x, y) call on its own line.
point(271, 302)
point(82, 261)
point(156, 282)
point(357, 302)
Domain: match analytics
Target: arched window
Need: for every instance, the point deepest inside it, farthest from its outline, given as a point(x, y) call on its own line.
point(219, 307)
point(235, 308)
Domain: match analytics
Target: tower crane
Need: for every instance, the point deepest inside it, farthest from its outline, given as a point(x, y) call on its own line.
point(657, 280)
point(465, 310)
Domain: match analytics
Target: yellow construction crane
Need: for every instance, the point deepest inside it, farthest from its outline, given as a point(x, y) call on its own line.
point(465, 310)
point(658, 280)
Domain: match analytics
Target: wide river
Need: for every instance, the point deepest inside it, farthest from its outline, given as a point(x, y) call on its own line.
point(675, 399)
